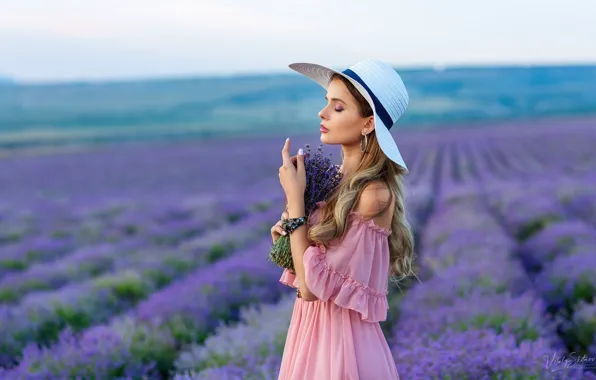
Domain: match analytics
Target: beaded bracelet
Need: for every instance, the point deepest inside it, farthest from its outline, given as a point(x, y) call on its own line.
point(289, 225)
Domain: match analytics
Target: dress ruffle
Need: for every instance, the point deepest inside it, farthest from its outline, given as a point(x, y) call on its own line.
point(370, 223)
point(327, 284)
point(289, 279)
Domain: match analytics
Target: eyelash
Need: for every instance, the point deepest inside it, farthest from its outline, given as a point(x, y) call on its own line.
point(338, 109)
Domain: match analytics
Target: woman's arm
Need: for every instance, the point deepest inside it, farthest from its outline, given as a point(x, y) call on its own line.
point(299, 243)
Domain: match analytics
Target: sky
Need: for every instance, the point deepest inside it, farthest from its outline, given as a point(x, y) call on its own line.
point(65, 40)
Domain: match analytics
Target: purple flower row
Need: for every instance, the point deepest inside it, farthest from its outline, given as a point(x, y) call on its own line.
point(168, 222)
point(83, 264)
point(569, 279)
point(558, 238)
point(562, 261)
point(17, 256)
point(475, 316)
point(259, 336)
point(185, 312)
point(89, 261)
point(41, 315)
point(561, 258)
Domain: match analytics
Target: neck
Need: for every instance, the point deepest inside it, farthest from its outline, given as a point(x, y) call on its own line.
point(351, 160)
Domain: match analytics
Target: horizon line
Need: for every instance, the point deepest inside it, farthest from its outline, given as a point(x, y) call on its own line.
point(8, 80)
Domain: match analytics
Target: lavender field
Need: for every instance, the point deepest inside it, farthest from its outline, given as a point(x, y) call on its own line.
point(149, 261)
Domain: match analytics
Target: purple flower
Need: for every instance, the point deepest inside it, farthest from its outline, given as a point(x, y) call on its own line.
point(556, 239)
point(478, 354)
point(528, 215)
point(568, 279)
point(99, 353)
point(321, 178)
point(582, 202)
point(521, 315)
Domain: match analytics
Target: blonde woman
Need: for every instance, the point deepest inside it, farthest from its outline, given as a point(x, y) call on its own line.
point(356, 241)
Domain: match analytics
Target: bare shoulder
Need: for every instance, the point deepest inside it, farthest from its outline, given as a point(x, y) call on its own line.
point(373, 199)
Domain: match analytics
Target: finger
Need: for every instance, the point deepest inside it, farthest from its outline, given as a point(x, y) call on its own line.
point(285, 215)
point(281, 231)
point(285, 153)
point(294, 160)
point(300, 164)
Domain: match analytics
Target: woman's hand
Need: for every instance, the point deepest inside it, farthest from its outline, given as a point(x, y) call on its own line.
point(292, 178)
point(276, 230)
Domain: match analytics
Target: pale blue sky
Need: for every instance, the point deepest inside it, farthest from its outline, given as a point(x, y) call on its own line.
point(55, 40)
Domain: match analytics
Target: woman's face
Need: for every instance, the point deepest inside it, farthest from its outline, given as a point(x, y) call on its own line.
point(341, 116)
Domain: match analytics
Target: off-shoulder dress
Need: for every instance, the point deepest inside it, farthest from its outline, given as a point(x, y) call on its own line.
point(338, 336)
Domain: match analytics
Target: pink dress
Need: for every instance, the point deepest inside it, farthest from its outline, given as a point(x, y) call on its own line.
point(338, 336)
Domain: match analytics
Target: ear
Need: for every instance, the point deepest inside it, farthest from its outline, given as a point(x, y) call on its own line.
point(370, 124)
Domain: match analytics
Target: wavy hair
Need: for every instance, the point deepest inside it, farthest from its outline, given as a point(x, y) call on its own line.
point(374, 167)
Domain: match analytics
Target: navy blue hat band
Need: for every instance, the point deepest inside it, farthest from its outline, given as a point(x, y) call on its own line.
point(381, 111)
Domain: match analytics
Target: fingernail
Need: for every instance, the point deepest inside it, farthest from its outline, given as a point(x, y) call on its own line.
point(300, 152)
point(285, 233)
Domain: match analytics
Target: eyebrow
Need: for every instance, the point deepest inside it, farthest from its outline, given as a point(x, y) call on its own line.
point(337, 99)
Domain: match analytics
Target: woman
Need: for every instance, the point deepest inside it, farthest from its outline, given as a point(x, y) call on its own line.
point(344, 254)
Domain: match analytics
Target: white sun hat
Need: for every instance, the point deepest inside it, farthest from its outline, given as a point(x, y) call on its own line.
point(380, 85)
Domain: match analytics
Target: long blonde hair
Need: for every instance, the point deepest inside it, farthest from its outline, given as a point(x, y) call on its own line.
point(375, 166)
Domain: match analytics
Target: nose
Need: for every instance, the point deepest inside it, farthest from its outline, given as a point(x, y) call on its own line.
point(322, 113)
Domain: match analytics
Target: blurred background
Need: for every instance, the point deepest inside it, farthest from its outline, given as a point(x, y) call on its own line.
point(139, 149)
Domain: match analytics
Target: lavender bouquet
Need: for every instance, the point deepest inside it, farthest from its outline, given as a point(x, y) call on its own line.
point(321, 179)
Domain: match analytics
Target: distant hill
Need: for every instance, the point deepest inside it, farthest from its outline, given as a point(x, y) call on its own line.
point(184, 108)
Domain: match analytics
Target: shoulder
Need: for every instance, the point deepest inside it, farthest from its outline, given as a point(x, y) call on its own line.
point(373, 199)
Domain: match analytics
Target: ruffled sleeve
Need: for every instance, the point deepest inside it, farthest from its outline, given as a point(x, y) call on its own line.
point(353, 272)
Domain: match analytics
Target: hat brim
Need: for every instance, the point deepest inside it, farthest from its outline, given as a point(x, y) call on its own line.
point(322, 75)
